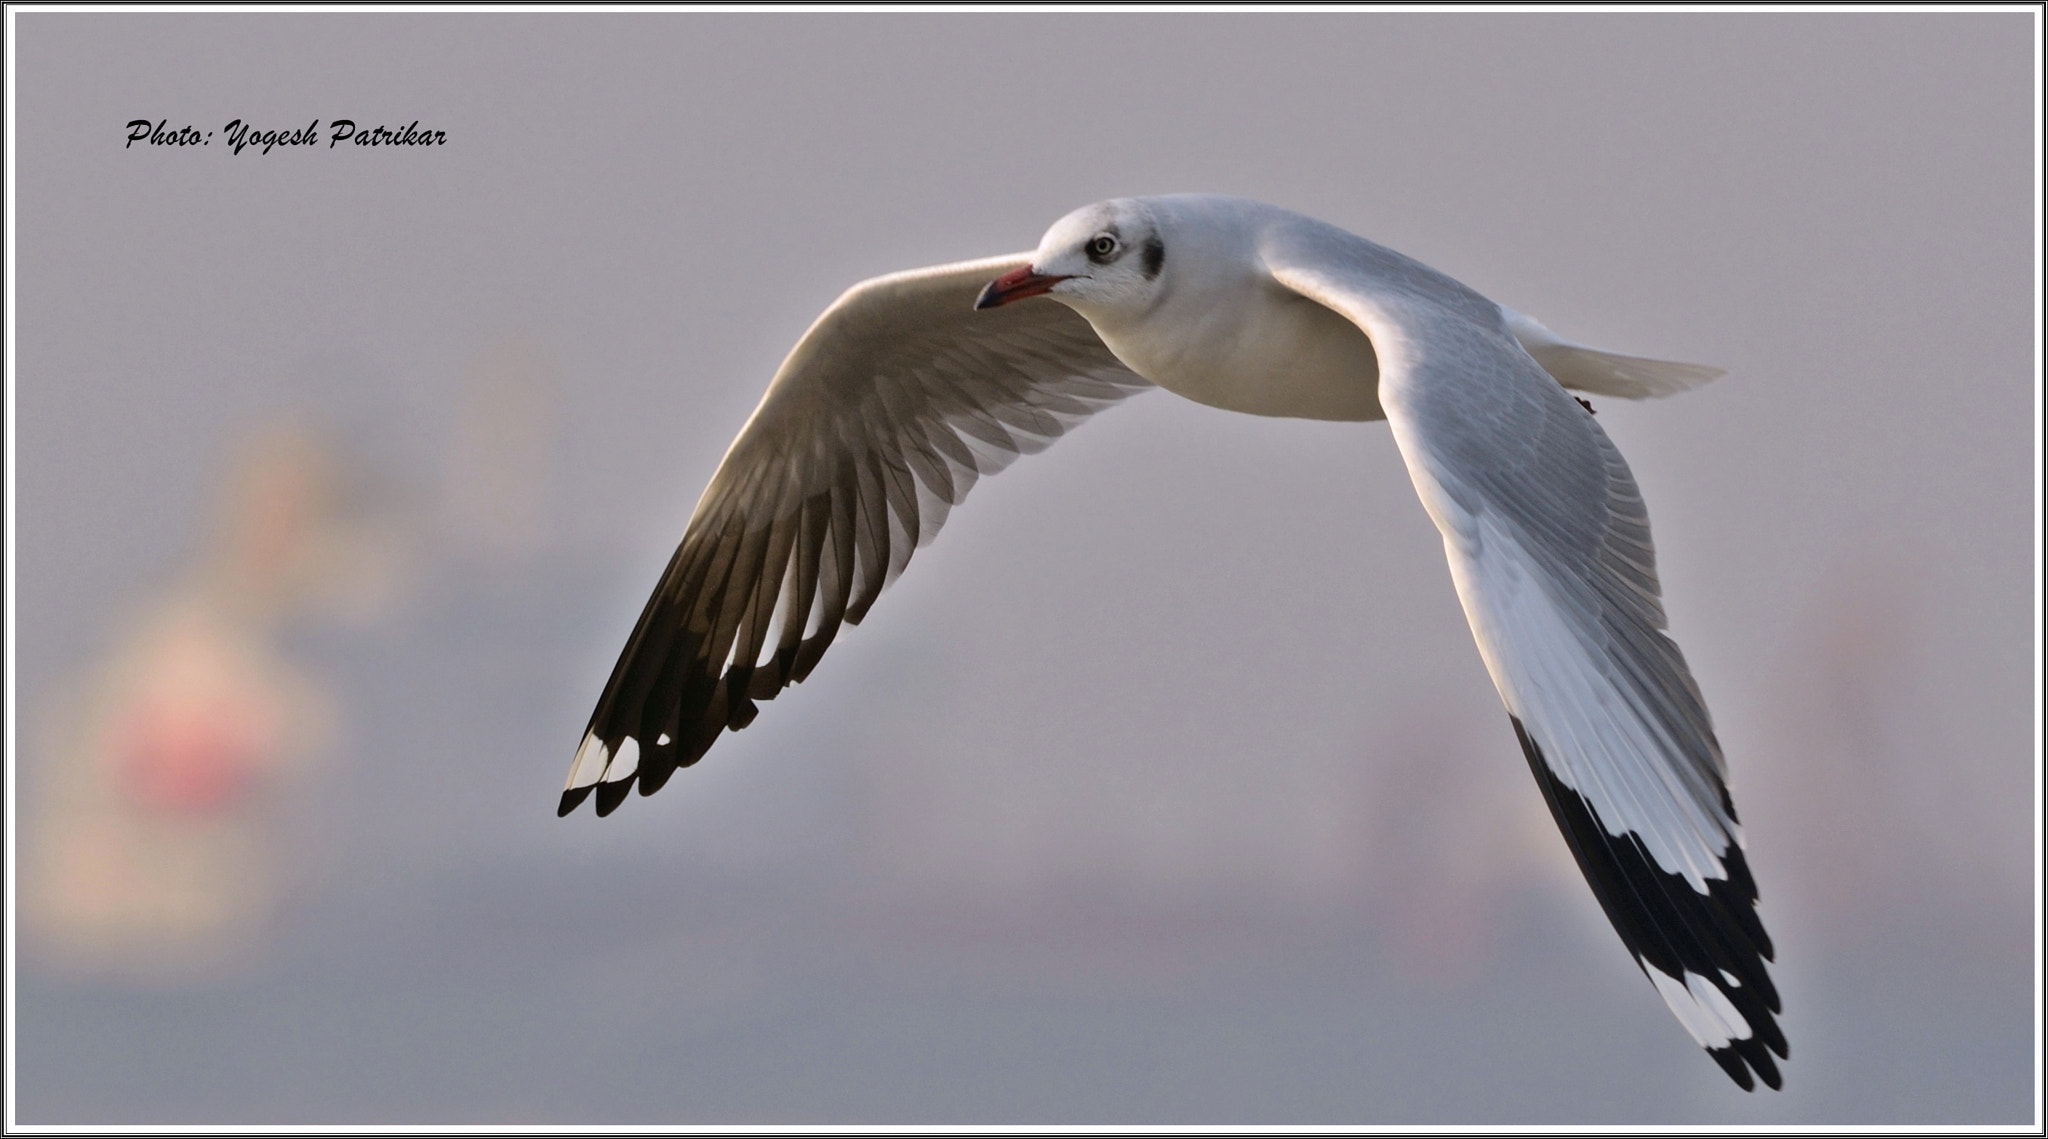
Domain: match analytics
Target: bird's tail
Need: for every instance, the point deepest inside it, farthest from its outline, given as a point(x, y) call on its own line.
point(1603, 373)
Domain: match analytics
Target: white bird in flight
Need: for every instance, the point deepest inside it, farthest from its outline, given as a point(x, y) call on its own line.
point(914, 384)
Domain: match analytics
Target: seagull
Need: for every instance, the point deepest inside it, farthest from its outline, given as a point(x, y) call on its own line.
point(913, 385)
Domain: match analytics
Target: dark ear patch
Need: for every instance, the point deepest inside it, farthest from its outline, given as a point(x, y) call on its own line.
point(1155, 256)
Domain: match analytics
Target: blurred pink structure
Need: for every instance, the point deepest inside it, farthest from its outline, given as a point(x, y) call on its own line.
point(156, 849)
point(495, 484)
point(1863, 790)
point(170, 816)
point(1457, 828)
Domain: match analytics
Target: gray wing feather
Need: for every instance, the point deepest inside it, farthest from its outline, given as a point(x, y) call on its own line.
point(1549, 544)
point(1525, 483)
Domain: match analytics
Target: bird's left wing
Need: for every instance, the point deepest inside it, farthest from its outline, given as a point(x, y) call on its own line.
point(1549, 546)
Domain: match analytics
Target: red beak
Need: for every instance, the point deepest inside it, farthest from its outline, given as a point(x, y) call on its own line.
point(1015, 285)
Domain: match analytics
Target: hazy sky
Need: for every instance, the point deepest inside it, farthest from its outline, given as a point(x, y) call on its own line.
point(1163, 785)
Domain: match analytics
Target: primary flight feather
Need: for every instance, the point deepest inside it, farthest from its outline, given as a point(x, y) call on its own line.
point(913, 385)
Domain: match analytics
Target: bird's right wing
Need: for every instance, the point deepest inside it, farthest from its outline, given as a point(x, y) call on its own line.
point(1549, 546)
point(895, 401)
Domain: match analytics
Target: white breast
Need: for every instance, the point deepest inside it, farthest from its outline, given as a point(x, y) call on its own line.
point(1263, 351)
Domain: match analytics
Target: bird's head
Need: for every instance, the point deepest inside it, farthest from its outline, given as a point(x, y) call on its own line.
point(1100, 258)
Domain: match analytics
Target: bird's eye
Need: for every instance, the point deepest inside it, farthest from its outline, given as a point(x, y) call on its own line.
point(1101, 246)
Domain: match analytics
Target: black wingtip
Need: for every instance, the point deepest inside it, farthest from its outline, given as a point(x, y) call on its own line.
point(1766, 1068)
point(1738, 1071)
point(742, 713)
point(1740, 1057)
point(610, 795)
point(1671, 927)
point(571, 799)
point(651, 778)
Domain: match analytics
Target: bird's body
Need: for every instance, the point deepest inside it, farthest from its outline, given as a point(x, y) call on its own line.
point(913, 385)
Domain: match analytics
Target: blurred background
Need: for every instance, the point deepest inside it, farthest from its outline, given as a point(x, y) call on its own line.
point(1166, 787)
